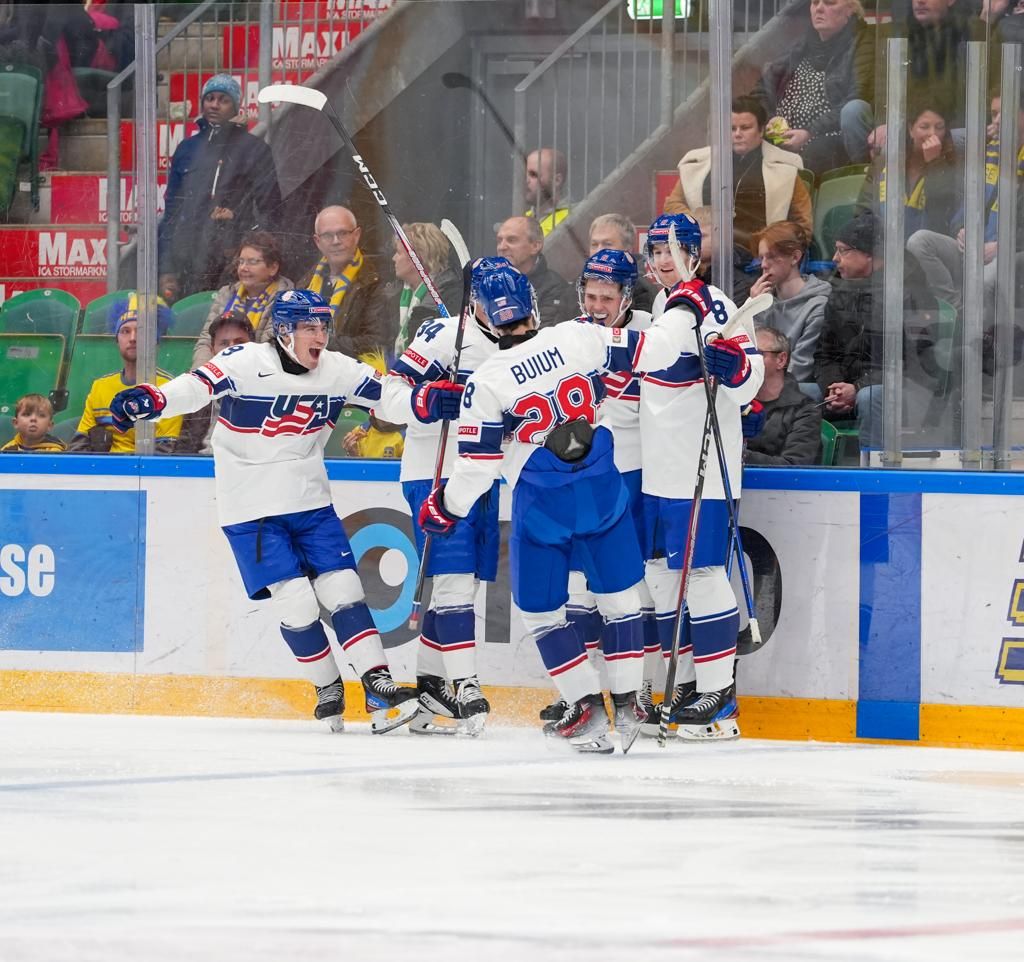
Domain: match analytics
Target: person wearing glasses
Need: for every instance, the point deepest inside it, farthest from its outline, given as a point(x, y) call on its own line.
point(351, 286)
point(258, 268)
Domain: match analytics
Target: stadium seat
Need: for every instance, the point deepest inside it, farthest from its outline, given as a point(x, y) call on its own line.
point(48, 311)
point(190, 314)
point(832, 438)
point(21, 100)
point(96, 319)
point(834, 206)
point(807, 176)
point(351, 417)
point(174, 354)
point(95, 355)
point(29, 364)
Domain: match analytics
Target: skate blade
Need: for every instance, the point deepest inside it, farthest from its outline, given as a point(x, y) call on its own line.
point(588, 745)
point(725, 729)
point(426, 722)
point(627, 737)
point(652, 729)
point(473, 726)
point(386, 720)
point(336, 724)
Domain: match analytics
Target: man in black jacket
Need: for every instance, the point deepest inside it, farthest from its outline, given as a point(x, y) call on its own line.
point(222, 183)
point(792, 421)
point(521, 240)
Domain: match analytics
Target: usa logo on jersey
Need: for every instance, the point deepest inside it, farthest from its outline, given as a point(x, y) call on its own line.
point(287, 414)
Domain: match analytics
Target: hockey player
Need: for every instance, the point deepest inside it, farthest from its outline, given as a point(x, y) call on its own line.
point(542, 389)
point(673, 405)
point(279, 402)
point(605, 292)
point(446, 657)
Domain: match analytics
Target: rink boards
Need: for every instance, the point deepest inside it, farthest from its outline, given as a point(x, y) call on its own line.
point(892, 602)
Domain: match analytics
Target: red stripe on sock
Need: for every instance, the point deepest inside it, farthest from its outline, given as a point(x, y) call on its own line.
point(355, 638)
point(316, 657)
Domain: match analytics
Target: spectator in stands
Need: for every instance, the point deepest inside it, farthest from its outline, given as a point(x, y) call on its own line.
point(766, 185)
point(792, 421)
point(848, 361)
point(228, 329)
point(743, 272)
point(799, 308)
point(937, 33)
point(615, 232)
point(415, 305)
point(942, 257)
point(344, 278)
point(811, 93)
point(375, 439)
point(546, 172)
point(521, 240)
point(33, 421)
point(95, 430)
point(1006, 18)
point(258, 267)
point(221, 184)
point(932, 189)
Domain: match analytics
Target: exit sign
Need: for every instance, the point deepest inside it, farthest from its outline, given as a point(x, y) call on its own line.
point(652, 9)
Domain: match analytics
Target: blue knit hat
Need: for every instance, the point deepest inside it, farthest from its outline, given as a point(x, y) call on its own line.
point(222, 83)
point(128, 310)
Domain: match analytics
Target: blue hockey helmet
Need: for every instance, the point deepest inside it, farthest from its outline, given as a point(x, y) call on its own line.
point(292, 307)
point(618, 267)
point(687, 233)
point(483, 266)
point(507, 296)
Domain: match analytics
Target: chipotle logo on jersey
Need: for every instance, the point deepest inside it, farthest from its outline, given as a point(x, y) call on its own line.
point(468, 431)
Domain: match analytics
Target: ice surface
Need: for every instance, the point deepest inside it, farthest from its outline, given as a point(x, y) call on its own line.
point(159, 839)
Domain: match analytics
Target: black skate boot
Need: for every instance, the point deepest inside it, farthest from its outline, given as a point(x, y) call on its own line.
point(330, 704)
point(437, 702)
point(389, 705)
point(630, 714)
point(713, 714)
point(554, 711)
point(682, 695)
point(584, 726)
point(473, 707)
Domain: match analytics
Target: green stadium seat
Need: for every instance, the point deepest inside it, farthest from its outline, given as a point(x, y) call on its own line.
point(190, 314)
point(834, 205)
point(48, 311)
point(21, 104)
point(96, 319)
point(95, 355)
point(807, 176)
point(29, 364)
point(174, 354)
point(65, 430)
point(351, 417)
point(832, 438)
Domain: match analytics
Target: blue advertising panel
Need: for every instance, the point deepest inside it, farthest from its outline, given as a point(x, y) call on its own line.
point(72, 570)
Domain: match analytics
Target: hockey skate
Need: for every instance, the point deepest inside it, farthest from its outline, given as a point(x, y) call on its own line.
point(629, 717)
point(714, 714)
point(436, 704)
point(682, 695)
point(330, 704)
point(389, 705)
point(473, 707)
point(554, 711)
point(584, 726)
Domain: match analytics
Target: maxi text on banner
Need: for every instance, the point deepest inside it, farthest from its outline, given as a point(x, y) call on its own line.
point(58, 253)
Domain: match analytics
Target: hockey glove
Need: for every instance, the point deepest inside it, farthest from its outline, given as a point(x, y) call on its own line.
point(692, 294)
point(437, 401)
point(140, 403)
point(727, 360)
point(434, 519)
point(753, 419)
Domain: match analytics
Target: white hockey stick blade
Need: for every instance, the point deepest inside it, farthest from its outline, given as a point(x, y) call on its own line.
point(292, 94)
point(457, 241)
point(676, 250)
point(745, 314)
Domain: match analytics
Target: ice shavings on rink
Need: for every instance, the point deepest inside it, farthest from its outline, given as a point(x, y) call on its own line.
point(168, 839)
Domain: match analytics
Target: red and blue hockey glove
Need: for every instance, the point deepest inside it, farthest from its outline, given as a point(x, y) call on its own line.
point(692, 294)
point(437, 401)
point(434, 519)
point(140, 403)
point(753, 419)
point(727, 360)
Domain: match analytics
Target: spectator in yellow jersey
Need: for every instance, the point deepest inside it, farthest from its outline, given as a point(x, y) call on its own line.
point(96, 431)
point(33, 420)
point(375, 439)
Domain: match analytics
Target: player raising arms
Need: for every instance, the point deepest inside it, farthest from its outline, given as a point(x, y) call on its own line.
point(279, 402)
point(446, 657)
point(542, 388)
point(673, 406)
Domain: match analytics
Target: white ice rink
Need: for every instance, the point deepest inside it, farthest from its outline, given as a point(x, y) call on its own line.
point(155, 839)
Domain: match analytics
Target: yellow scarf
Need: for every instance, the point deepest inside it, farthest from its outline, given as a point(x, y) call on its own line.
point(253, 306)
point(322, 278)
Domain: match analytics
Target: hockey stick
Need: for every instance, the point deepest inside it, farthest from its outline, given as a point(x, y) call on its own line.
point(317, 100)
point(737, 322)
point(462, 251)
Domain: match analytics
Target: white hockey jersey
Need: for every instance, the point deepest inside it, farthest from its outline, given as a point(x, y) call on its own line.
point(428, 358)
point(272, 426)
point(526, 391)
point(673, 406)
point(620, 409)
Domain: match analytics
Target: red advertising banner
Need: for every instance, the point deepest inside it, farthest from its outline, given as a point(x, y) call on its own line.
point(82, 198)
point(169, 134)
point(186, 87)
point(303, 48)
point(664, 183)
point(85, 291)
point(290, 11)
point(59, 253)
